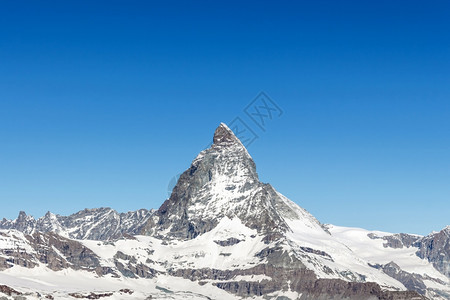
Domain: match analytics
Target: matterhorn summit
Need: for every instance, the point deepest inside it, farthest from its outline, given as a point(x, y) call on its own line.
point(222, 234)
point(222, 182)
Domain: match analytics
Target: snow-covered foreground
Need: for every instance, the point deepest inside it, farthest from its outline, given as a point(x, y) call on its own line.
point(201, 252)
point(346, 249)
point(43, 281)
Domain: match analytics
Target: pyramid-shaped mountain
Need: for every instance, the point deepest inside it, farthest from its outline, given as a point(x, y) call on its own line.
point(222, 182)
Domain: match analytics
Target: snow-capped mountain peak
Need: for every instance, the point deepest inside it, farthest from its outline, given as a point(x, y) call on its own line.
point(222, 182)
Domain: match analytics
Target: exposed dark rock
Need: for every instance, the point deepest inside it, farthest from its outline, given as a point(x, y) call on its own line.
point(8, 291)
point(91, 295)
point(17, 257)
point(121, 255)
point(56, 252)
point(326, 289)
point(413, 282)
point(300, 280)
point(398, 240)
point(228, 242)
point(436, 248)
point(314, 251)
point(132, 268)
point(68, 253)
point(126, 291)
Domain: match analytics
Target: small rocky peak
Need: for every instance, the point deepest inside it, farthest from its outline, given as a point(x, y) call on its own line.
point(49, 216)
point(22, 216)
point(224, 136)
point(393, 266)
point(24, 223)
point(446, 229)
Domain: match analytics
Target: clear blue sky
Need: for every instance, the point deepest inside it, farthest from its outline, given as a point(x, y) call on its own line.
point(101, 104)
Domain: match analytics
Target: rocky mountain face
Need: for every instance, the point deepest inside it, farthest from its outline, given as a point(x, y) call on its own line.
point(222, 182)
point(436, 249)
point(92, 224)
point(222, 234)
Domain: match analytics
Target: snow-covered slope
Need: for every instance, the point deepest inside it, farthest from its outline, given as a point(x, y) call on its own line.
point(222, 234)
point(400, 262)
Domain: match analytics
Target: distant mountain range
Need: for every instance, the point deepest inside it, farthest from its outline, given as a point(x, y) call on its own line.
point(88, 224)
point(222, 234)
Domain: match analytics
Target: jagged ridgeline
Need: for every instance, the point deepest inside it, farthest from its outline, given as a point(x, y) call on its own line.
point(222, 234)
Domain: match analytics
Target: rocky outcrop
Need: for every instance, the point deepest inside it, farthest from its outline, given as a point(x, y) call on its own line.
point(130, 267)
point(302, 281)
point(54, 251)
point(319, 289)
point(436, 248)
point(339, 289)
point(398, 240)
point(16, 257)
point(15, 251)
point(91, 295)
point(9, 291)
point(59, 253)
point(228, 242)
point(413, 282)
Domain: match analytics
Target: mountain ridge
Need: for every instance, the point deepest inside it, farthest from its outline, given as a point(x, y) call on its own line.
point(97, 223)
